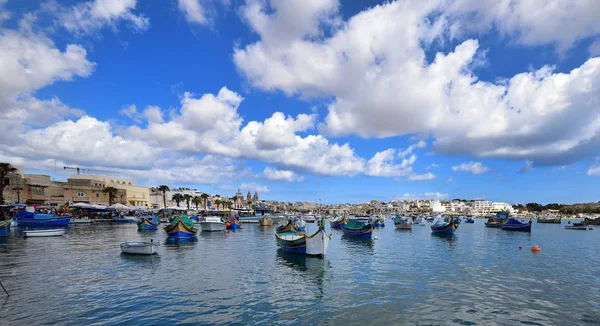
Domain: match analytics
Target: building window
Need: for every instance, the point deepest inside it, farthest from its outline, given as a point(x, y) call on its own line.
point(80, 194)
point(97, 195)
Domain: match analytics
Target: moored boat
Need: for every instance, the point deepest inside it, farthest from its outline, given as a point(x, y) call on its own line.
point(30, 219)
point(469, 220)
point(212, 224)
point(265, 221)
point(358, 228)
point(402, 223)
point(181, 227)
point(548, 220)
point(148, 223)
point(577, 225)
point(515, 225)
point(300, 243)
point(80, 220)
point(139, 247)
point(4, 228)
point(124, 220)
point(379, 222)
point(445, 226)
point(338, 223)
point(233, 223)
point(497, 221)
point(44, 233)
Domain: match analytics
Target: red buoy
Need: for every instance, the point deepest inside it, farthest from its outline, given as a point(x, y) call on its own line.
point(227, 224)
point(536, 248)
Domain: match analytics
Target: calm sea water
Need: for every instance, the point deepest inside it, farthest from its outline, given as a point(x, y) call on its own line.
point(479, 277)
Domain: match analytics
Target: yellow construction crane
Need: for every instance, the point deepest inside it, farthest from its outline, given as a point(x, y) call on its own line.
point(82, 170)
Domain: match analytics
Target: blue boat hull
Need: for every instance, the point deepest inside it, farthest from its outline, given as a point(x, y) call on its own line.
point(30, 222)
point(379, 225)
point(180, 234)
point(360, 233)
point(233, 227)
point(5, 231)
point(147, 227)
point(525, 228)
point(449, 231)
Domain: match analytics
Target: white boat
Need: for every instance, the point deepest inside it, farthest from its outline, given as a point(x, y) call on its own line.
point(139, 247)
point(80, 221)
point(44, 233)
point(310, 219)
point(577, 226)
point(403, 223)
point(212, 224)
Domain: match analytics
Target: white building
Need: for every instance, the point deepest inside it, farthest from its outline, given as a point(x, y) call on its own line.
point(437, 206)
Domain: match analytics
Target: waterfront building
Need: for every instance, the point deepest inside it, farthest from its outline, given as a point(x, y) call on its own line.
point(136, 195)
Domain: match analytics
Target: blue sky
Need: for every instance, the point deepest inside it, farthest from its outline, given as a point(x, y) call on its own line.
point(488, 99)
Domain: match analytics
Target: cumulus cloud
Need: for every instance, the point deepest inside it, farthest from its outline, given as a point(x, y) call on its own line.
point(471, 167)
point(432, 166)
point(281, 175)
point(252, 187)
point(383, 164)
point(594, 170)
point(192, 11)
point(411, 148)
point(426, 195)
point(421, 177)
point(91, 16)
point(374, 67)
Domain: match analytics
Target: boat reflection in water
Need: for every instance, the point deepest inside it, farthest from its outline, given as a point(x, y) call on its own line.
point(311, 269)
point(180, 242)
point(357, 244)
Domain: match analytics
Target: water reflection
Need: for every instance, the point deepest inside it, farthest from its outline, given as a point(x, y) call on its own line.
point(310, 269)
point(180, 242)
point(355, 243)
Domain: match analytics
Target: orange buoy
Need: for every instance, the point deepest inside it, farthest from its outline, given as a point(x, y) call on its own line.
point(227, 225)
point(536, 248)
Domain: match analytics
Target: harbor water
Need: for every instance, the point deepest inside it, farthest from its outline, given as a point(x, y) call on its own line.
point(477, 277)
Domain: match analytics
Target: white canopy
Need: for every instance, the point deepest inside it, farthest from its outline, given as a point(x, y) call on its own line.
point(120, 207)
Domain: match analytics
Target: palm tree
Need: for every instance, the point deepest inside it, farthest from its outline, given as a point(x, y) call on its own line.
point(205, 198)
point(164, 189)
point(218, 202)
point(112, 193)
point(249, 204)
point(229, 202)
point(196, 200)
point(187, 198)
point(5, 170)
point(178, 198)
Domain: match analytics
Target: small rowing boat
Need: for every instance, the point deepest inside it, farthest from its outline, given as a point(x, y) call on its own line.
point(515, 225)
point(265, 221)
point(577, 226)
point(403, 223)
point(139, 248)
point(44, 233)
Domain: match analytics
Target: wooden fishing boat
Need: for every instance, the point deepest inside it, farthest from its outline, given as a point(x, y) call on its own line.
point(265, 221)
point(44, 233)
point(469, 220)
point(288, 227)
point(358, 228)
point(30, 219)
point(337, 223)
point(300, 243)
point(233, 224)
point(5, 228)
point(446, 226)
point(148, 223)
point(379, 222)
point(577, 226)
point(212, 224)
point(403, 223)
point(181, 227)
point(497, 221)
point(515, 225)
point(556, 220)
point(139, 248)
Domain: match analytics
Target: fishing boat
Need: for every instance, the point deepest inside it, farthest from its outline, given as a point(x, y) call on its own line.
point(379, 222)
point(4, 228)
point(212, 224)
point(515, 225)
point(233, 223)
point(310, 219)
point(583, 225)
point(31, 219)
point(445, 226)
point(181, 227)
point(139, 247)
point(549, 220)
point(497, 221)
point(358, 228)
point(469, 220)
point(338, 223)
point(265, 221)
point(81, 220)
point(300, 243)
point(148, 223)
point(44, 233)
point(403, 223)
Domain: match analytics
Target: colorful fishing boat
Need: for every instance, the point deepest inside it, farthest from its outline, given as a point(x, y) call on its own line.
point(181, 227)
point(4, 228)
point(265, 221)
point(288, 227)
point(338, 223)
point(148, 223)
point(497, 221)
point(548, 220)
point(469, 220)
point(403, 223)
point(233, 223)
point(30, 219)
point(515, 225)
point(446, 226)
point(300, 243)
point(379, 222)
point(358, 228)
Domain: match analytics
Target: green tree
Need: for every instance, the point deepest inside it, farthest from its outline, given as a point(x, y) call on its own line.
point(5, 170)
point(187, 198)
point(205, 199)
point(196, 200)
point(218, 202)
point(534, 207)
point(178, 198)
point(112, 194)
point(164, 189)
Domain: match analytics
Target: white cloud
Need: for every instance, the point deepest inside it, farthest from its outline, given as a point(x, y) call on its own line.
point(192, 11)
point(281, 175)
point(594, 170)
point(432, 166)
point(411, 148)
point(471, 167)
point(252, 187)
point(374, 67)
point(427, 195)
point(383, 164)
point(594, 48)
point(153, 114)
point(91, 16)
point(421, 177)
